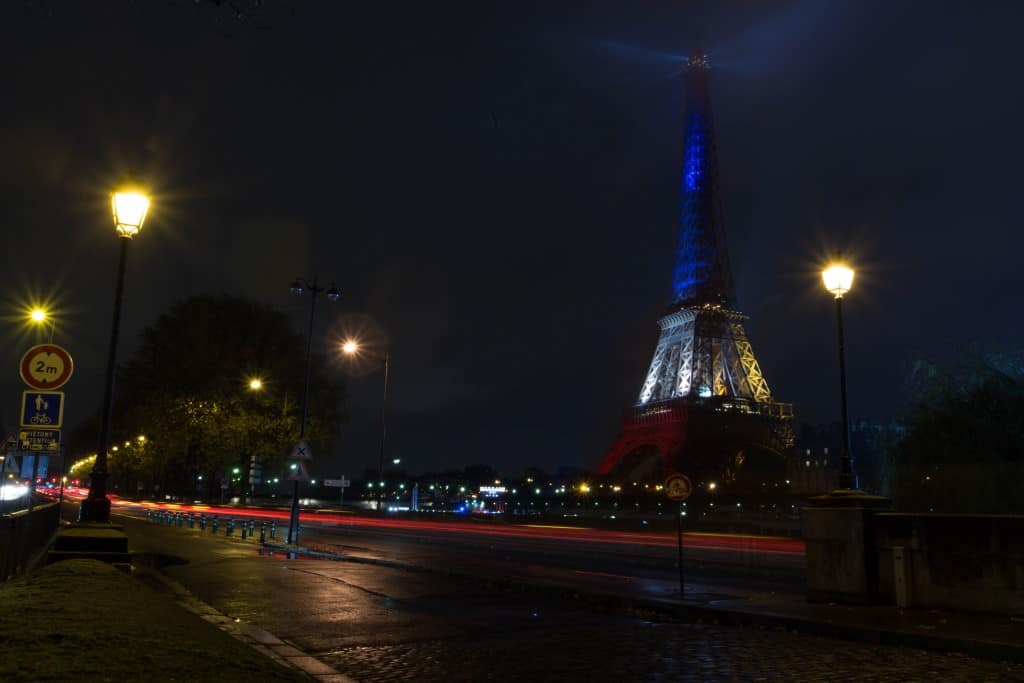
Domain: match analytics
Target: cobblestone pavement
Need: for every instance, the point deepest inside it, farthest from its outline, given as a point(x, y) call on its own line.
point(382, 624)
point(608, 649)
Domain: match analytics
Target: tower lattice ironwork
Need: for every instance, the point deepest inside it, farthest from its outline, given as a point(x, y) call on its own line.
point(705, 406)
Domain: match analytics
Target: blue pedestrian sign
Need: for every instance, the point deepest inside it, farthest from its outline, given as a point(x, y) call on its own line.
point(42, 409)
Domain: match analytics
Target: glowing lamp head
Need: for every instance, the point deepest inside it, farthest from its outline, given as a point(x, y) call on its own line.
point(333, 293)
point(296, 287)
point(255, 384)
point(838, 279)
point(130, 205)
point(37, 315)
point(350, 346)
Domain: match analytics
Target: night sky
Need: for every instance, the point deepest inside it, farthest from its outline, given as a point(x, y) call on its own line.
point(495, 190)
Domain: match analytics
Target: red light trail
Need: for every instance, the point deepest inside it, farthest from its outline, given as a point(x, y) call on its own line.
point(772, 545)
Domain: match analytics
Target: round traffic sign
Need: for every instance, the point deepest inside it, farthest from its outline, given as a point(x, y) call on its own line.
point(678, 487)
point(46, 366)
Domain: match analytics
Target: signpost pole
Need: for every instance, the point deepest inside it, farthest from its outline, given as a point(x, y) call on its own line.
point(679, 533)
point(678, 488)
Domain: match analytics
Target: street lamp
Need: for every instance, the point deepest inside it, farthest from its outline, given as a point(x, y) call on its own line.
point(130, 205)
point(300, 286)
point(39, 316)
point(838, 280)
point(352, 347)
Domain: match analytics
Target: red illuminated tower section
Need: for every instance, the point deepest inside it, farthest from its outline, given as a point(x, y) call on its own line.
point(704, 408)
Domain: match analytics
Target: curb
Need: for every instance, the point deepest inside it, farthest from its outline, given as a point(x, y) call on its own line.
point(255, 637)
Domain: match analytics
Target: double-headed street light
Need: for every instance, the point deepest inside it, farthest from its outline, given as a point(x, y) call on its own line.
point(352, 347)
point(838, 281)
point(298, 287)
point(130, 204)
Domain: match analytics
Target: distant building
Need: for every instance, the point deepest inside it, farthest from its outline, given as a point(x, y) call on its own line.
point(813, 469)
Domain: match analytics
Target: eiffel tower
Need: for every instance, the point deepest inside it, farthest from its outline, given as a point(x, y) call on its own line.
point(705, 408)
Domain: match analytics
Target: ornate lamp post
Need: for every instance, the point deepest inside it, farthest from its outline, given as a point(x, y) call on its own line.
point(130, 205)
point(352, 347)
point(298, 287)
point(838, 280)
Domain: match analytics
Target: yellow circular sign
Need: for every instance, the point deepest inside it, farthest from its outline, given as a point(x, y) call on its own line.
point(46, 367)
point(678, 487)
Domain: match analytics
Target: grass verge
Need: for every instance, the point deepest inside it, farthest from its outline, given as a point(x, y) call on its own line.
point(85, 620)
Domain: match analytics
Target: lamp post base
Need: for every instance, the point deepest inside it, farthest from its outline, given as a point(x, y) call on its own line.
point(841, 556)
point(94, 510)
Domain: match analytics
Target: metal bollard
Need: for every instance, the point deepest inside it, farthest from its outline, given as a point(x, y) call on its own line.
point(191, 521)
point(149, 516)
point(252, 527)
point(263, 532)
point(202, 523)
point(230, 528)
point(216, 523)
point(245, 528)
point(273, 530)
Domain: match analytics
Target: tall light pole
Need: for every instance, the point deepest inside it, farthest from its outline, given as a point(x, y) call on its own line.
point(130, 205)
point(838, 281)
point(352, 347)
point(298, 287)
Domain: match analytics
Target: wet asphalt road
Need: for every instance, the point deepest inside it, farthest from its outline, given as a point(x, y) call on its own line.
point(376, 623)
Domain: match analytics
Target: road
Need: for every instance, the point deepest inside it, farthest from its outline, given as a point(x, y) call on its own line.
point(379, 623)
point(576, 557)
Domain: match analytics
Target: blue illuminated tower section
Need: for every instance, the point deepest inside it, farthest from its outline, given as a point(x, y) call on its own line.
point(701, 274)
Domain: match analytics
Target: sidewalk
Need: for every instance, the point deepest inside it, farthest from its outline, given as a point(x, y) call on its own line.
point(993, 637)
point(86, 620)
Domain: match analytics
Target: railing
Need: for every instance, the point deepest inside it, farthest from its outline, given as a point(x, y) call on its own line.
point(24, 536)
point(675, 409)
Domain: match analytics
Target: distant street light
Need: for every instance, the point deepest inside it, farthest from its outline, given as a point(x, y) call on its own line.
point(130, 205)
point(300, 286)
point(838, 280)
point(255, 384)
point(352, 347)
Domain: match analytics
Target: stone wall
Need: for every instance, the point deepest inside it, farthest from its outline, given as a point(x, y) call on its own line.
point(945, 561)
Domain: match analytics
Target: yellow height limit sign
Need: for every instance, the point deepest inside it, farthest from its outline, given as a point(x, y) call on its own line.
point(46, 367)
